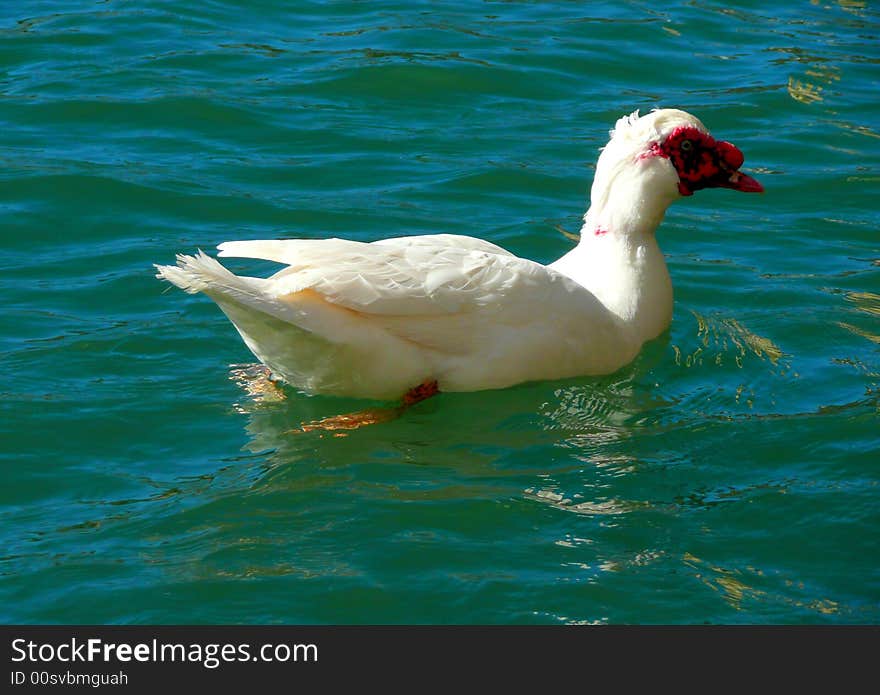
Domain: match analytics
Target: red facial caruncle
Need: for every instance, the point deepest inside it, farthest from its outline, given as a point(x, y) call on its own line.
point(701, 161)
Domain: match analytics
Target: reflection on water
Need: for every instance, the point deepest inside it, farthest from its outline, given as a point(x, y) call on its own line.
point(599, 507)
point(464, 433)
point(727, 337)
point(804, 92)
point(255, 380)
point(868, 303)
point(599, 409)
point(740, 588)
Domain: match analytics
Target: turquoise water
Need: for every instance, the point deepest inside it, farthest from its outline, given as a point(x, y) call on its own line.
point(730, 475)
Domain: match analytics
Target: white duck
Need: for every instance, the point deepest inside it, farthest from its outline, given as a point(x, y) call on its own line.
point(404, 317)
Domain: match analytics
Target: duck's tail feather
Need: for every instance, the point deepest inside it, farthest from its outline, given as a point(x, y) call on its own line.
point(198, 273)
point(202, 273)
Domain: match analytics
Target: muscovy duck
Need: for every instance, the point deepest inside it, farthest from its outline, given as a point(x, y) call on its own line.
point(408, 316)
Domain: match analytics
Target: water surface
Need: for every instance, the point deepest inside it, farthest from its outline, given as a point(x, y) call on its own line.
point(729, 475)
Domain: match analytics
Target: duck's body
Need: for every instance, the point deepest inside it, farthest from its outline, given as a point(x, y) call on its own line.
point(374, 320)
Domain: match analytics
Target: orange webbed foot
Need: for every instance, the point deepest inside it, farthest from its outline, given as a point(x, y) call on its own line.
point(371, 416)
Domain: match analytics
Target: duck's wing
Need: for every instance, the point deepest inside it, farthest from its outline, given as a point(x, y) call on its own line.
point(294, 252)
point(440, 291)
point(407, 276)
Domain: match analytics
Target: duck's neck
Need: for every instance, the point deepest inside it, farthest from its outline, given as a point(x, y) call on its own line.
point(618, 259)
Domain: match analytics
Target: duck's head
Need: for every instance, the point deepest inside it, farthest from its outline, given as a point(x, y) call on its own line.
point(699, 160)
point(652, 160)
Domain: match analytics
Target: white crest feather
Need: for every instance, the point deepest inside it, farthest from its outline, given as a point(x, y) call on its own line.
point(624, 123)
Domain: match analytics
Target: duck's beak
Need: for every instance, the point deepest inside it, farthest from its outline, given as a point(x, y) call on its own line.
point(739, 181)
point(730, 160)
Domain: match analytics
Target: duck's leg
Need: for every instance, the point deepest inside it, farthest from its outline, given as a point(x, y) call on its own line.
point(371, 416)
point(419, 393)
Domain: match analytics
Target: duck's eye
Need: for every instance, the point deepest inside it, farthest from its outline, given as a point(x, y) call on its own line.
point(686, 145)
